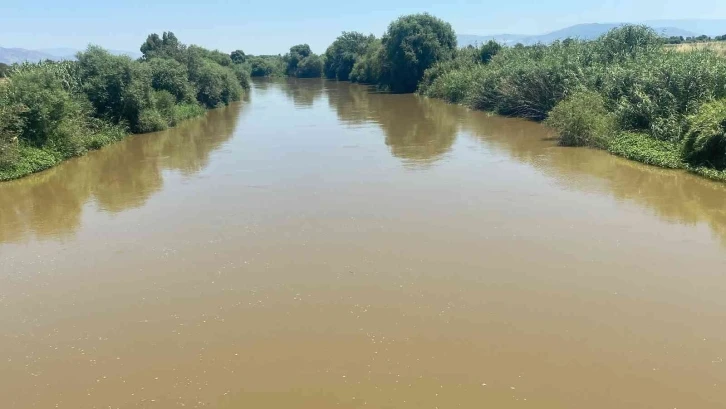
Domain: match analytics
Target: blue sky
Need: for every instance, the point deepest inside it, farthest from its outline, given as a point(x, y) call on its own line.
point(271, 27)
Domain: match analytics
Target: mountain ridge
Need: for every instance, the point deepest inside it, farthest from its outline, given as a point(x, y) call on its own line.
point(591, 31)
point(19, 55)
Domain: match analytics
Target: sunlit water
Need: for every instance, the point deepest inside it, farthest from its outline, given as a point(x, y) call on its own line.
point(321, 245)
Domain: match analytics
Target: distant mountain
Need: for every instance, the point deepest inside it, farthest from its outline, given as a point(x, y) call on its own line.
point(666, 28)
point(18, 55)
point(710, 28)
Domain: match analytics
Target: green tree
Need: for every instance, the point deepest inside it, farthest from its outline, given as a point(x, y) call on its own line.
point(489, 50)
point(4, 70)
point(166, 46)
point(302, 63)
point(310, 67)
point(172, 76)
point(368, 67)
point(238, 57)
point(342, 55)
point(412, 44)
point(292, 59)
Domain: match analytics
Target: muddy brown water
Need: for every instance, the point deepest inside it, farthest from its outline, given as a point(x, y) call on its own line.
point(320, 245)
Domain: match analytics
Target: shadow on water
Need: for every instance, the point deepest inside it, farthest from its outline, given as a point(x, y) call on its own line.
point(303, 92)
point(675, 196)
point(119, 177)
point(418, 130)
point(421, 131)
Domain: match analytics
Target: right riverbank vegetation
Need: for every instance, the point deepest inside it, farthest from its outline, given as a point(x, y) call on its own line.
point(51, 111)
point(626, 92)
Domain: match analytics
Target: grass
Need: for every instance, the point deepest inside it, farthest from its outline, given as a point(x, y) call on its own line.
point(643, 148)
point(716, 46)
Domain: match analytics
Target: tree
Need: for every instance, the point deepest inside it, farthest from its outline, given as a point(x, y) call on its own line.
point(301, 62)
point(166, 46)
point(4, 70)
point(345, 51)
point(412, 44)
point(171, 76)
point(489, 50)
point(238, 57)
point(367, 68)
point(310, 67)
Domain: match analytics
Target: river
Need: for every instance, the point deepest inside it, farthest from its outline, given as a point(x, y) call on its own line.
point(322, 245)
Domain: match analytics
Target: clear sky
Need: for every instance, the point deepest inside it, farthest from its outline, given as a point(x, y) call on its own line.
point(271, 27)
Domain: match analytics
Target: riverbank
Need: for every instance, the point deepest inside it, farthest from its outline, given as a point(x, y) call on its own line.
point(53, 111)
point(626, 93)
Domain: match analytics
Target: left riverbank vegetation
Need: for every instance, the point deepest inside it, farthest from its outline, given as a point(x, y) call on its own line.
point(628, 92)
point(51, 111)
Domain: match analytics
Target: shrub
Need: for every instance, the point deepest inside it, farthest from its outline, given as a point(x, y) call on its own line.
point(455, 86)
point(216, 85)
point(105, 80)
point(628, 42)
point(310, 67)
point(582, 120)
point(465, 59)
point(345, 51)
point(11, 124)
point(266, 66)
point(170, 75)
point(489, 50)
point(642, 148)
point(411, 45)
point(243, 75)
point(655, 93)
point(238, 57)
point(150, 120)
point(367, 69)
point(705, 143)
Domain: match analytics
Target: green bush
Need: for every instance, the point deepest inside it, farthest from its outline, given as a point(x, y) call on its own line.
point(238, 57)
point(266, 66)
point(345, 51)
point(455, 86)
point(367, 69)
point(642, 148)
point(656, 92)
point(11, 125)
point(242, 72)
point(216, 85)
point(465, 59)
point(105, 79)
point(151, 120)
point(705, 143)
point(310, 67)
point(489, 50)
point(172, 76)
point(302, 63)
point(52, 111)
point(582, 120)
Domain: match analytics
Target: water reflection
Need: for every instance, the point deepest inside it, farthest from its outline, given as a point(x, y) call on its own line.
point(418, 130)
point(675, 196)
point(119, 177)
point(303, 92)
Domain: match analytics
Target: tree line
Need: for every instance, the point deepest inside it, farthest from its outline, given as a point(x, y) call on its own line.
point(693, 39)
point(51, 111)
point(625, 91)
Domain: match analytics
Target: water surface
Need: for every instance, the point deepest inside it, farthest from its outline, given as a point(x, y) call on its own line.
point(321, 245)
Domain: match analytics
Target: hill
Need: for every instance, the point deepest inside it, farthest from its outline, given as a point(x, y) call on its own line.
point(593, 30)
point(18, 55)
